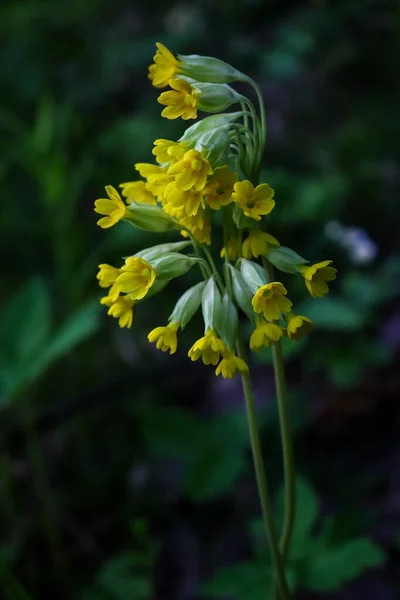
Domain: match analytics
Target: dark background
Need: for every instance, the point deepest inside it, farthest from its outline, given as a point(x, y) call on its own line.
point(125, 473)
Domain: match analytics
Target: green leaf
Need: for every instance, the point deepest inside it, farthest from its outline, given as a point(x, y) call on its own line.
point(244, 581)
point(335, 314)
point(307, 507)
point(119, 580)
point(26, 321)
point(329, 569)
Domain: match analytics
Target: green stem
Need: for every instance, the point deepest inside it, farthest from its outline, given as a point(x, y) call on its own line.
point(213, 267)
point(286, 436)
point(263, 118)
point(262, 485)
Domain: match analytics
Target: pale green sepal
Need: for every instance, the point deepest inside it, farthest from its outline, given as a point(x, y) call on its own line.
point(228, 323)
point(209, 69)
point(149, 217)
point(173, 265)
point(242, 292)
point(161, 249)
point(253, 274)
point(187, 305)
point(211, 305)
point(285, 259)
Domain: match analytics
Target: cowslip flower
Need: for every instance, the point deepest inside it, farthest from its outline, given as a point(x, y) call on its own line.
point(230, 365)
point(316, 276)
point(219, 188)
point(136, 278)
point(168, 151)
point(164, 68)
point(107, 277)
point(264, 335)
point(210, 348)
point(113, 208)
point(191, 171)
point(181, 101)
point(165, 337)
point(198, 225)
point(187, 200)
point(121, 309)
point(231, 250)
point(137, 191)
point(157, 178)
point(271, 301)
point(254, 202)
point(258, 243)
point(297, 326)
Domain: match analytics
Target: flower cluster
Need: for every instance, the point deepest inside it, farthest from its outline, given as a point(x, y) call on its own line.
point(213, 168)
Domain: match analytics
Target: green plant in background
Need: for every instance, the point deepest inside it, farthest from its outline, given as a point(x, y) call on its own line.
point(213, 171)
point(317, 561)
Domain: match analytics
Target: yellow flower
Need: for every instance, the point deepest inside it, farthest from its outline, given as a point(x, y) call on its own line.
point(191, 171)
point(265, 334)
point(187, 200)
point(157, 178)
point(219, 188)
point(167, 151)
point(316, 276)
point(270, 300)
point(258, 243)
point(230, 365)
point(232, 249)
point(253, 201)
point(198, 225)
point(210, 348)
point(114, 208)
point(165, 337)
point(180, 101)
point(107, 277)
point(136, 278)
point(164, 68)
point(121, 308)
point(137, 191)
point(297, 326)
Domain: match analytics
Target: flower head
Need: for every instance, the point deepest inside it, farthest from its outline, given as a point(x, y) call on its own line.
point(107, 277)
point(181, 101)
point(137, 191)
point(210, 348)
point(271, 301)
point(164, 68)
point(157, 178)
point(121, 308)
point(219, 188)
point(113, 208)
point(232, 249)
point(136, 278)
point(191, 171)
point(265, 334)
point(167, 151)
point(165, 337)
point(253, 201)
point(230, 365)
point(316, 277)
point(297, 326)
point(258, 243)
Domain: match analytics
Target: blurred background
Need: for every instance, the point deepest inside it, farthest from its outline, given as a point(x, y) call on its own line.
point(125, 473)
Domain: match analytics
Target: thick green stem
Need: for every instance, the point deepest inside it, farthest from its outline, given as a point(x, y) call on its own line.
point(286, 436)
point(262, 485)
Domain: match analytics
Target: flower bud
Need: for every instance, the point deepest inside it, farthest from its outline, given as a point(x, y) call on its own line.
point(211, 70)
point(211, 305)
point(173, 265)
point(241, 292)
point(161, 249)
point(150, 218)
point(253, 274)
point(228, 323)
point(187, 305)
point(285, 259)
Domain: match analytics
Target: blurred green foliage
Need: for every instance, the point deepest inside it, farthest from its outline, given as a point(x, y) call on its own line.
point(101, 435)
